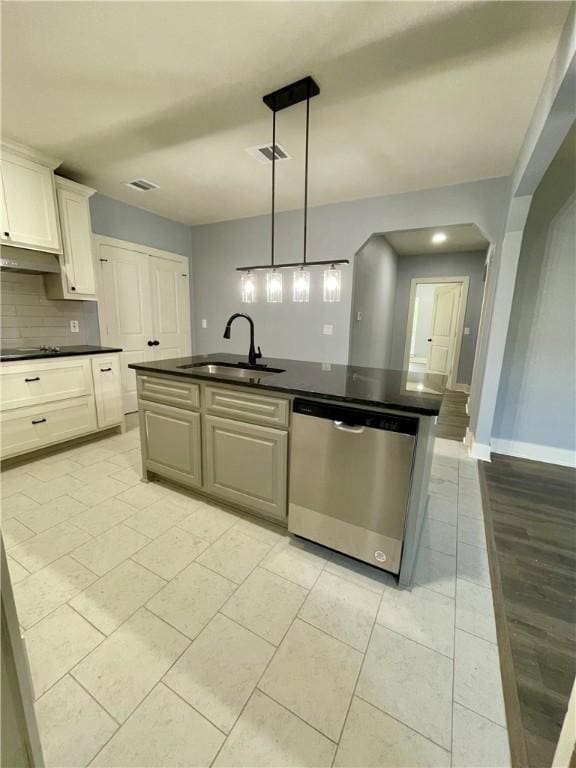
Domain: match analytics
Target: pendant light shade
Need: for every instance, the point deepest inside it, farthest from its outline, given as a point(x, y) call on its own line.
point(274, 287)
point(301, 286)
point(248, 288)
point(332, 284)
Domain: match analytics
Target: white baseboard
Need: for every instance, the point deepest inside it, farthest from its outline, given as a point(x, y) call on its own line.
point(562, 456)
point(476, 450)
point(462, 388)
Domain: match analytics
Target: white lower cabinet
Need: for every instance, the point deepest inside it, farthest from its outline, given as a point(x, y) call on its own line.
point(171, 442)
point(246, 464)
point(107, 390)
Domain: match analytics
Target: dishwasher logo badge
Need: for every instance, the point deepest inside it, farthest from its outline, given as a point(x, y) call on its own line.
point(380, 556)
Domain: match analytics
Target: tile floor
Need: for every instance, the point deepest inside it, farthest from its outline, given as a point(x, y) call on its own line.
point(165, 631)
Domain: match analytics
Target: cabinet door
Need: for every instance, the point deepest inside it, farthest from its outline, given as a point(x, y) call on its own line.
point(125, 316)
point(171, 442)
point(170, 290)
point(107, 390)
point(246, 464)
point(79, 277)
point(30, 203)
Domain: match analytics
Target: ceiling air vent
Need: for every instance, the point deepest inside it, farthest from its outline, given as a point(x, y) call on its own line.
point(263, 153)
point(142, 185)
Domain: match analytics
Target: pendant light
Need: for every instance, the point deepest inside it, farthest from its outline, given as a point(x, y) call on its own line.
point(288, 96)
point(248, 288)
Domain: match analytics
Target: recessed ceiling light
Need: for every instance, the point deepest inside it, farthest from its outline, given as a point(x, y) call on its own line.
point(439, 237)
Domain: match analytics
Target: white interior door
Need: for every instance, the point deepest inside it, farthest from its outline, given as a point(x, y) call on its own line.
point(170, 307)
point(127, 312)
point(444, 327)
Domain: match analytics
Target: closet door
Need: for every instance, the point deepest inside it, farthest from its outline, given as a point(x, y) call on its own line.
point(125, 315)
point(170, 306)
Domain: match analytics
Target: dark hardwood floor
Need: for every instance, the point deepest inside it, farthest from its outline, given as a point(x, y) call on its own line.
point(530, 511)
point(452, 419)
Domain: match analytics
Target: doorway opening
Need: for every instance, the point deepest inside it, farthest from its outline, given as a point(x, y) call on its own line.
point(435, 326)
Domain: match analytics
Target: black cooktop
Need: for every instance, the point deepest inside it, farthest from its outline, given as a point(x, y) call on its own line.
point(38, 353)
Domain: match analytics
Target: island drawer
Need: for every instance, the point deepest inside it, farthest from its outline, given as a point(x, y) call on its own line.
point(179, 392)
point(240, 403)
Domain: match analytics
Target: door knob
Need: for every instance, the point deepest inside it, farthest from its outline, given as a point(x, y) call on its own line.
point(429, 339)
point(150, 343)
point(156, 343)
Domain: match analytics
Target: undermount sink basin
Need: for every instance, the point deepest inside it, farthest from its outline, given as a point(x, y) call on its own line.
point(234, 370)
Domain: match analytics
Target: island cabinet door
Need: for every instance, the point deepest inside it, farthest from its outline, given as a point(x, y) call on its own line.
point(246, 464)
point(171, 442)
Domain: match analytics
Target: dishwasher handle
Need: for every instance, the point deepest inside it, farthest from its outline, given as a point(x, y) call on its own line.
point(346, 428)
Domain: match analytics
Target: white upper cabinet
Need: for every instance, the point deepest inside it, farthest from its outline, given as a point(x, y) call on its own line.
point(28, 209)
point(77, 279)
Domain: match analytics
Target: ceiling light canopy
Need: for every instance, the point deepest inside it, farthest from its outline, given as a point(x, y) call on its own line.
point(439, 237)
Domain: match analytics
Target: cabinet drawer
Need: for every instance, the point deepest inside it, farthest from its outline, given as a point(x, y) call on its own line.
point(247, 465)
point(179, 392)
point(239, 403)
point(34, 383)
point(27, 429)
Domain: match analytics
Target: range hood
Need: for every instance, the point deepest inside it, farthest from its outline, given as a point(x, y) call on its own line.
point(30, 262)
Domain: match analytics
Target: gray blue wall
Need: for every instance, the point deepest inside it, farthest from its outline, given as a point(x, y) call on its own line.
point(335, 231)
point(536, 398)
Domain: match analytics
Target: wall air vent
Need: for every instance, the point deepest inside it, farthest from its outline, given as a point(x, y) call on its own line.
point(142, 185)
point(263, 153)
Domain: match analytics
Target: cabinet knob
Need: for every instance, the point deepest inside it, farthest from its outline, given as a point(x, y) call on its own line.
point(72, 288)
point(6, 234)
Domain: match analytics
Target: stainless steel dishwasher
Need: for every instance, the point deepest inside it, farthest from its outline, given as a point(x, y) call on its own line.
point(350, 476)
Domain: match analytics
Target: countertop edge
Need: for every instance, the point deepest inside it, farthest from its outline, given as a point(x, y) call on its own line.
point(52, 355)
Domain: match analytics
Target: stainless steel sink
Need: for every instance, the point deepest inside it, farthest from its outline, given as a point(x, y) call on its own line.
point(234, 371)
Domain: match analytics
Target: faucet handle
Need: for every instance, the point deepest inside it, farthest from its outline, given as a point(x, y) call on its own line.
point(259, 353)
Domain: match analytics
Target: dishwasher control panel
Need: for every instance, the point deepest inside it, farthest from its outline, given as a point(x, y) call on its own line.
point(356, 417)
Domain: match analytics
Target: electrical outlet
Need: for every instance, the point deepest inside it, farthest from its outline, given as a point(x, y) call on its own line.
point(204, 323)
point(74, 326)
point(466, 331)
point(358, 316)
point(328, 330)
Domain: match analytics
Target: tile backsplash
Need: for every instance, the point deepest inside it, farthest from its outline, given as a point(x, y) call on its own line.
point(29, 318)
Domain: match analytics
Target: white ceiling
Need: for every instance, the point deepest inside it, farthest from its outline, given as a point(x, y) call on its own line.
point(461, 238)
point(414, 95)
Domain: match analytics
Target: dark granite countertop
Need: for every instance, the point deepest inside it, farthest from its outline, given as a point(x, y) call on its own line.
point(35, 353)
point(400, 390)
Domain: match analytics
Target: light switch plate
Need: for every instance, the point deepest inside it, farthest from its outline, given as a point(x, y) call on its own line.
point(327, 330)
point(204, 323)
point(466, 331)
point(74, 326)
point(359, 316)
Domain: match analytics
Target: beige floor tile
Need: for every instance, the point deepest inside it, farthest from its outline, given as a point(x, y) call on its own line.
point(477, 742)
point(219, 671)
point(44, 548)
point(467, 468)
point(470, 506)
point(234, 555)
point(258, 529)
point(50, 470)
point(46, 515)
point(53, 489)
point(95, 520)
point(129, 476)
point(17, 572)
point(108, 602)
point(142, 496)
point(470, 485)
point(266, 604)
point(73, 727)
point(182, 497)
point(362, 574)
point(296, 561)
point(342, 609)
point(438, 536)
point(443, 510)
point(446, 469)
point(266, 734)
point(191, 599)
point(171, 552)
point(441, 487)
point(163, 731)
point(473, 564)
point(471, 531)
point(208, 522)
point(110, 549)
point(410, 682)
point(372, 739)
point(15, 483)
point(47, 589)
point(130, 662)
point(156, 518)
point(477, 681)
point(56, 644)
point(436, 571)
point(475, 610)
point(444, 447)
point(16, 504)
point(91, 453)
point(93, 473)
point(93, 494)
point(131, 458)
point(13, 532)
point(313, 675)
point(421, 615)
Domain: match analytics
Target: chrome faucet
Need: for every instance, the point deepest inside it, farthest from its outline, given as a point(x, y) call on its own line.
point(252, 354)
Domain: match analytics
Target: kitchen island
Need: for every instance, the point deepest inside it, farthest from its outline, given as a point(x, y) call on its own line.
point(227, 430)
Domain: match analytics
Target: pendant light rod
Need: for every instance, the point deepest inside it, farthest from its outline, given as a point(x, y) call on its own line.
point(306, 178)
point(324, 262)
point(273, 184)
